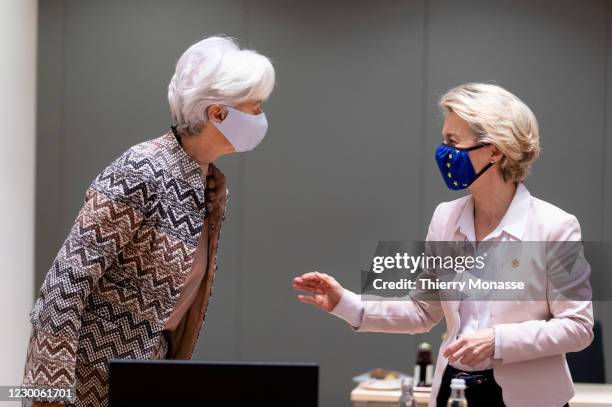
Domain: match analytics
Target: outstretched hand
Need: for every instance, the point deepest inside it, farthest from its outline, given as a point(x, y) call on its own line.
point(325, 292)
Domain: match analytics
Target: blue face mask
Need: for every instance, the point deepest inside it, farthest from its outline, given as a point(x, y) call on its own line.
point(456, 167)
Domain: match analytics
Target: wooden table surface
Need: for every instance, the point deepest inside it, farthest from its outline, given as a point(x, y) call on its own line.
point(587, 395)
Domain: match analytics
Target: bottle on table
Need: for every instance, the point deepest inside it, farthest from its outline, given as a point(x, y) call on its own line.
point(457, 396)
point(407, 398)
point(423, 369)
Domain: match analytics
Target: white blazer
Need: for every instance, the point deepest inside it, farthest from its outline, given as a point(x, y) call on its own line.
point(534, 335)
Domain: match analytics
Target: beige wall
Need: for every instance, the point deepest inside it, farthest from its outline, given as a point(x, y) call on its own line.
point(18, 28)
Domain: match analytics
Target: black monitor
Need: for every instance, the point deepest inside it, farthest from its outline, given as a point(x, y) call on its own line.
point(136, 382)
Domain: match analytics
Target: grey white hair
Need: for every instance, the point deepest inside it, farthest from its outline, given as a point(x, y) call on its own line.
point(216, 71)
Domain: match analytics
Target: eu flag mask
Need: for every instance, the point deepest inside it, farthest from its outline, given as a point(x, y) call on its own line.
point(456, 167)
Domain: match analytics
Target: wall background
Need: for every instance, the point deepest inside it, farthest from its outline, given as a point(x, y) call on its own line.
point(348, 159)
point(18, 37)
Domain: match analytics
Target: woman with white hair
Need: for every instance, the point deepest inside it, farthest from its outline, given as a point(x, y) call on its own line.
point(133, 278)
point(510, 352)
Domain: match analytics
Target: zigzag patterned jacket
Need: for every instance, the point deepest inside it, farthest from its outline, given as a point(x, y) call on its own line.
point(119, 273)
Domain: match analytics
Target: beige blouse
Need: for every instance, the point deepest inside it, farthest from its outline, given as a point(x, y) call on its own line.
point(194, 278)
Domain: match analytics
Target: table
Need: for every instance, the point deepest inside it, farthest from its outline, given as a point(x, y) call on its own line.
point(587, 395)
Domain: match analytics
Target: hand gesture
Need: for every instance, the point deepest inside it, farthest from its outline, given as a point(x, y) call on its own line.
point(324, 289)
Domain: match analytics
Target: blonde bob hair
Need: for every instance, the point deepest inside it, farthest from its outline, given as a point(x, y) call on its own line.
point(500, 118)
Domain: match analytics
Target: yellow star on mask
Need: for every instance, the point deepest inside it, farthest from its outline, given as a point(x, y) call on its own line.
point(455, 183)
point(450, 156)
point(449, 175)
point(448, 165)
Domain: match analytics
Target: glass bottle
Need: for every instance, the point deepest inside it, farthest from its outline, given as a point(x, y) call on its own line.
point(407, 397)
point(457, 396)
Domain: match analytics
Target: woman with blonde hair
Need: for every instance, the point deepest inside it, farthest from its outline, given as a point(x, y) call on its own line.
point(510, 353)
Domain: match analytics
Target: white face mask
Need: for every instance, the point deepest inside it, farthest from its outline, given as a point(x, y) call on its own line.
point(243, 130)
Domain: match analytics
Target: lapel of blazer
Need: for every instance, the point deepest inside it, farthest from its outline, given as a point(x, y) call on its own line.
point(176, 160)
point(210, 194)
point(211, 199)
point(182, 166)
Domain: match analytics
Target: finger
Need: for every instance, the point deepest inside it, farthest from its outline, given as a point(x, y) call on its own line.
point(468, 359)
point(305, 281)
point(307, 299)
point(321, 276)
point(477, 356)
point(468, 356)
point(457, 354)
point(300, 284)
point(299, 281)
point(473, 361)
point(310, 300)
point(312, 277)
point(329, 280)
point(304, 288)
point(463, 353)
point(327, 276)
point(310, 290)
point(317, 280)
point(453, 347)
point(303, 278)
point(323, 279)
point(311, 287)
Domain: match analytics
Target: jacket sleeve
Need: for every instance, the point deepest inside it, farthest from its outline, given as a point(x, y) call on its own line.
point(111, 215)
point(421, 312)
point(570, 328)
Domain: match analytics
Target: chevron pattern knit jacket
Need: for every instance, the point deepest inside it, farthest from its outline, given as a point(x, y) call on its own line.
point(119, 273)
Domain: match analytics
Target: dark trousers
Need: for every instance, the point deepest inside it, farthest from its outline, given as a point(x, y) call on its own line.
point(482, 389)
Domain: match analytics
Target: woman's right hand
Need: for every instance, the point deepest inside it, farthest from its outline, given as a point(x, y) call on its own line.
point(325, 290)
